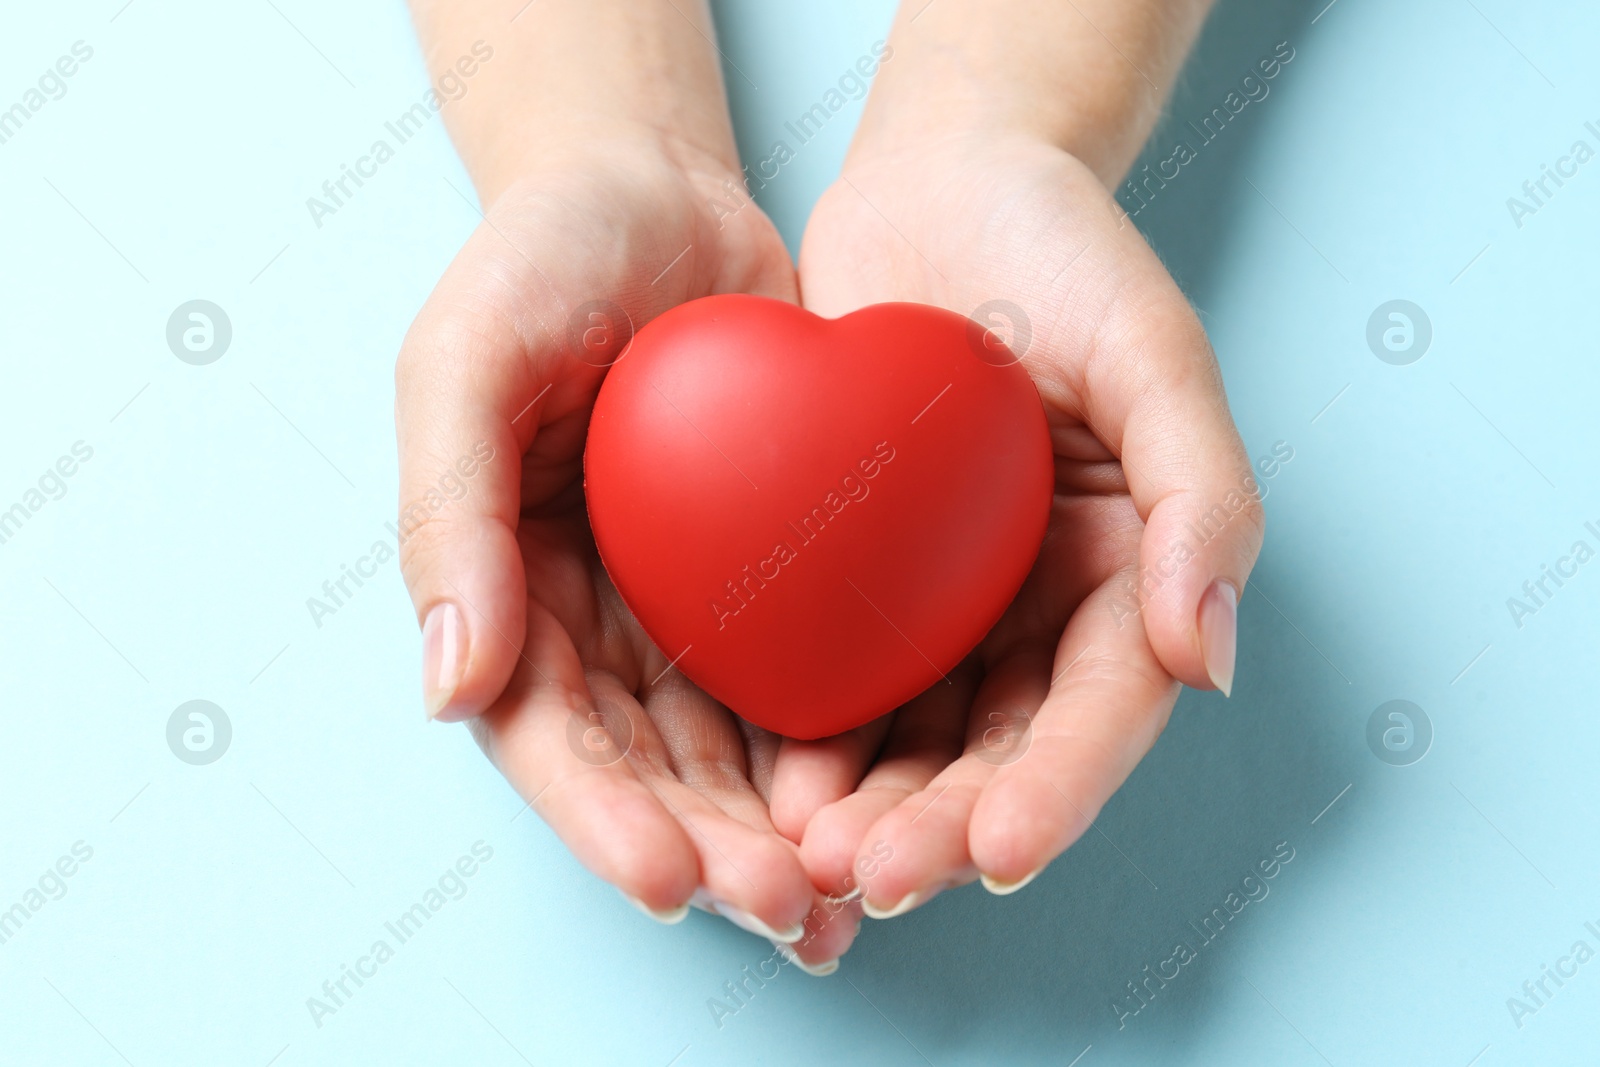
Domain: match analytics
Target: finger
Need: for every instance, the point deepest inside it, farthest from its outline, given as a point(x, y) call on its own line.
point(1152, 390)
point(924, 840)
point(831, 929)
point(925, 736)
point(761, 748)
point(611, 821)
point(1107, 705)
point(809, 775)
point(750, 874)
point(463, 419)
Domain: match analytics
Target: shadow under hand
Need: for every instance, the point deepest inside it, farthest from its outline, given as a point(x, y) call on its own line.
point(1231, 783)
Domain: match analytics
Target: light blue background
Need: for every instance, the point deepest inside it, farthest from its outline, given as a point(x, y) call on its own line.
point(178, 564)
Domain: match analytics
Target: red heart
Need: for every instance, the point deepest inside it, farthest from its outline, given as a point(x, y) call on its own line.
point(817, 519)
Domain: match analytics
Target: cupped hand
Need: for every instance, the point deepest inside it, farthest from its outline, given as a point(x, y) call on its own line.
point(1155, 524)
point(652, 784)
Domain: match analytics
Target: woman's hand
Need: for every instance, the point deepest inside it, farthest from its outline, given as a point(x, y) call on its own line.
point(614, 193)
point(653, 785)
point(1154, 529)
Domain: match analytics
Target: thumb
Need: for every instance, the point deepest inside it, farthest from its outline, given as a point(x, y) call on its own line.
point(1191, 482)
point(465, 408)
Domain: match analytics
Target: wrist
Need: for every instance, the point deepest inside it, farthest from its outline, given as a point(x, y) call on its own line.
point(574, 148)
point(945, 149)
point(1105, 132)
point(566, 72)
point(1089, 78)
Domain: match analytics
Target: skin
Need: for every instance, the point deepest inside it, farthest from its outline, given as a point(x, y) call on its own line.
point(980, 171)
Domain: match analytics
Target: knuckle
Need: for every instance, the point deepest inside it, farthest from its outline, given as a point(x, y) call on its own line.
point(423, 537)
point(1254, 517)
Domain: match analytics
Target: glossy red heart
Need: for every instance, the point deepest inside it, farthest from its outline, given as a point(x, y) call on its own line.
point(816, 519)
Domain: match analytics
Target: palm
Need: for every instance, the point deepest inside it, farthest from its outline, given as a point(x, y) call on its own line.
point(1004, 767)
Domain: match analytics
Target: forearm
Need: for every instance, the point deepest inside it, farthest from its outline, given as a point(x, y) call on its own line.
point(571, 73)
point(1090, 76)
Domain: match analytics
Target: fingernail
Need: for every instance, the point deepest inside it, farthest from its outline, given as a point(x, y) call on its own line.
point(851, 897)
point(444, 656)
point(906, 903)
point(1005, 889)
point(745, 921)
point(1219, 633)
point(815, 970)
point(669, 916)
